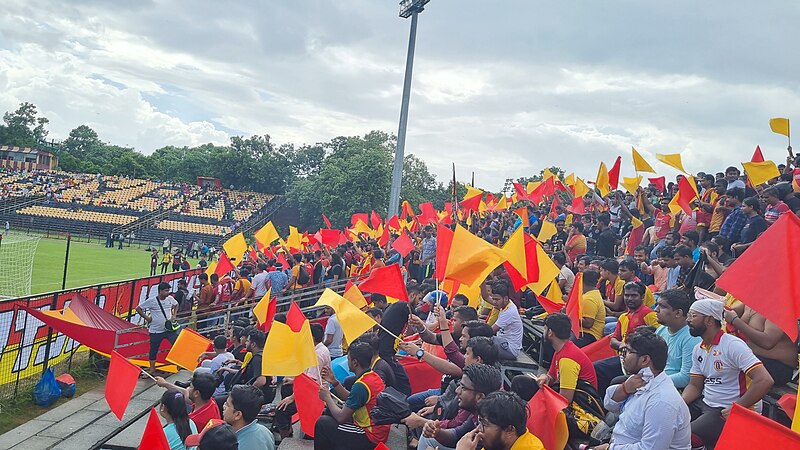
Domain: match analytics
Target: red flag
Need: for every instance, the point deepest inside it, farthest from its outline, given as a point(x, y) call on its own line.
point(471, 204)
point(253, 254)
point(636, 236)
point(384, 238)
point(788, 403)
point(408, 211)
point(381, 446)
point(613, 173)
point(757, 155)
point(306, 399)
point(545, 189)
point(574, 304)
point(326, 220)
point(660, 183)
point(773, 256)
point(686, 195)
point(403, 244)
point(295, 318)
point(282, 259)
point(359, 217)
point(577, 206)
point(601, 349)
point(224, 266)
point(125, 375)
point(386, 280)
point(544, 408)
point(272, 308)
point(522, 213)
point(522, 194)
point(520, 280)
point(330, 238)
point(153, 437)
point(553, 211)
point(393, 222)
point(375, 219)
point(548, 305)
point(428, 213)
point(444, 239)
point(746, 429)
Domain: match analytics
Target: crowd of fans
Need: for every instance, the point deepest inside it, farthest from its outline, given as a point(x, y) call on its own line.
point(684, 352)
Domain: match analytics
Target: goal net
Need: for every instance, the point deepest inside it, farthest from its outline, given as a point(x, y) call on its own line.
point(16, 264)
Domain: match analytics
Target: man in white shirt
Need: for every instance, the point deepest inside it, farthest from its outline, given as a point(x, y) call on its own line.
point(652, 414)
point(156, 311)
point(258, 287)
point(333, 334)
point(718, 364)
point(508, 327)
point(566, 278)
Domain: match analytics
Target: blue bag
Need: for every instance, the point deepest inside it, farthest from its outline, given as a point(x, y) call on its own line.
point(46, 391)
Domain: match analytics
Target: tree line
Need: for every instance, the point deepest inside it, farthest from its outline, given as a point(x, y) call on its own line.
point(338, 178)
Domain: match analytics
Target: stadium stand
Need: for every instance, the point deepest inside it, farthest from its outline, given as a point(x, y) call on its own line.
point(151, 210)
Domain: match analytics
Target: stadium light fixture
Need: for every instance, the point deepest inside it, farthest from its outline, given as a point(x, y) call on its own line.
point(408, 8)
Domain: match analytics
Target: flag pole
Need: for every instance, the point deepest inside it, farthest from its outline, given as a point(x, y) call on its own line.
point(390, 333)
point(148, 375)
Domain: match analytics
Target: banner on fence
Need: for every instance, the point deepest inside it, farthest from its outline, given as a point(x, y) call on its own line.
point(23, 338)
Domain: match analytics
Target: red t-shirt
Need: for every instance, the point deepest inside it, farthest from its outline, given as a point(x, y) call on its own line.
point(201, 416)
point(631, 320)
point(571, 364)
point(662, 224)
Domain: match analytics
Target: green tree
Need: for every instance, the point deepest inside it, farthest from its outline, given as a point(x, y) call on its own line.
point(22, 127)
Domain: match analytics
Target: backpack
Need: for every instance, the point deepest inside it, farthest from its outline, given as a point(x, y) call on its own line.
point(303, 277)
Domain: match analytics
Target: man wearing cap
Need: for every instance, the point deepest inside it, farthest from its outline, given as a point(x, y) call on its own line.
point(718, 363)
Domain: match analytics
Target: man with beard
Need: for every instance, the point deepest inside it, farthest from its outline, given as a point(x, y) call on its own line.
point(636, 316)
point(718, 364)
point(502, 425)
point(478, 381)
point(652, 413)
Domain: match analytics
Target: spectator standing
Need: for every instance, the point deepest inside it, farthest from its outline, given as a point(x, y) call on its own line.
point(156, 311)
point(154, 263)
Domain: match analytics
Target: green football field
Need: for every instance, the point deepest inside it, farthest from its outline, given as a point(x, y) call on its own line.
point(89, 263)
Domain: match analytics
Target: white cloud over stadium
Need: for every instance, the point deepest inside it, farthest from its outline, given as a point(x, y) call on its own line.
point(501, 88)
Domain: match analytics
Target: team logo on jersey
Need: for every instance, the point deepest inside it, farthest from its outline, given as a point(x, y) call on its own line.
point(716, 353)
point(700, 358)
point(718, 366)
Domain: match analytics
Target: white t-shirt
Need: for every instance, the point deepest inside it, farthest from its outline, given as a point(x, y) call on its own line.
point(333, 328)
point(259, 285)
point(567, 274)
point(721, 365)
point(510, 331)
point(150, 306)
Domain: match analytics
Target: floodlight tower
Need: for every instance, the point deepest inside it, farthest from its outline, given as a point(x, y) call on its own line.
point(408, 8)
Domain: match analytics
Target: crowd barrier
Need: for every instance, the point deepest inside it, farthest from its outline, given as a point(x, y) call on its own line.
point(28, 347)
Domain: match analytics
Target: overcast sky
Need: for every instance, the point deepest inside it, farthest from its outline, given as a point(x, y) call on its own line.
point(500, 88)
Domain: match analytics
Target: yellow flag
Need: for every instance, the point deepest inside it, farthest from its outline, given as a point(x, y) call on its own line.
point(602, 180)
point(472, 192)
point(796, 420)
point(212, 267)
point(547, 174)
point(547, 271)
point(630, 184)
point(354, 295)
point(287, 353)
point(353, 321)
point(235, 248)
point(471, 258)
point(267, 234)
point(554, 294)
point(361, 227)
point(502, 204)
point(640, 164)
point(780, 126)
point(570, 179)
point(515, 250)
point(547, 231)
point(532, 185)
point(261, 308)
point(672, 160)
point(581, 188)
point(760, 172)
point(294, 240)
point(187, 348)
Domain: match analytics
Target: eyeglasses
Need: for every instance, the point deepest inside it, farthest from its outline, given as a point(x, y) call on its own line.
point(463, 388)
point(484, 423)
point(625, 351)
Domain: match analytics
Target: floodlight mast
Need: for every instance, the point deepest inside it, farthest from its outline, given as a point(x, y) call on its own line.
point(408, 8)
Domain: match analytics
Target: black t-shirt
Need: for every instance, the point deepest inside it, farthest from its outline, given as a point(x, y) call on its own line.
point(319, 272)
point(334, 271)
point(253, 371)
point(591, 240)
point(755, 225)
point(606, 241)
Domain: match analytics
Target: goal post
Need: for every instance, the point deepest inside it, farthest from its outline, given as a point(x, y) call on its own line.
point(16, 264)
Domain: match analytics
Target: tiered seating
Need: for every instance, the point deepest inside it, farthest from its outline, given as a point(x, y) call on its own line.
point(216, 212)
point(86, 216)
point(193, 228)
